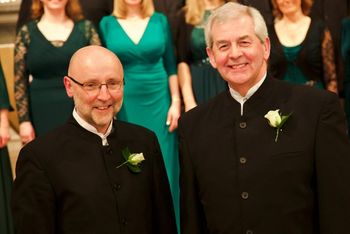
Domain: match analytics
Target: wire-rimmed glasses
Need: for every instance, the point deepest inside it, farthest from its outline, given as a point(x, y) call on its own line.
point(94, 87)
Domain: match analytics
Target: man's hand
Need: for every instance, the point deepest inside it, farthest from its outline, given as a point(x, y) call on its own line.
point(26, 132)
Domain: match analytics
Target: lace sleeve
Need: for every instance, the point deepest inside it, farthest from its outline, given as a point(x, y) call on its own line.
point(21, 75)
point(328, 58)
point(92, 34)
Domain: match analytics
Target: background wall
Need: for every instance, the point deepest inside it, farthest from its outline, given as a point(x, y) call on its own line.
point(8, 17)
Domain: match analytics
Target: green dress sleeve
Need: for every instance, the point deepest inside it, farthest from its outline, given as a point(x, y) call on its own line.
point(169, 55)
point(102, 30)
point(89, 32)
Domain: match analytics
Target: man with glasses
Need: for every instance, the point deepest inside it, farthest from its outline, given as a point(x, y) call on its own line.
point(94, 174)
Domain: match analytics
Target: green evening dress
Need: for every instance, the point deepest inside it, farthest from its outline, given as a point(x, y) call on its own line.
point(293, 73)
point(44, 100)
point(147, 66)
point(206, 80)
point(6, 223)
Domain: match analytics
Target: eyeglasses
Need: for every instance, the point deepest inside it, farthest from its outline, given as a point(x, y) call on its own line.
point(94, 87)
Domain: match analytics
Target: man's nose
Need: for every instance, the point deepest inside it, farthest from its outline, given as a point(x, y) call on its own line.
point(103, 93)
point(235, 51)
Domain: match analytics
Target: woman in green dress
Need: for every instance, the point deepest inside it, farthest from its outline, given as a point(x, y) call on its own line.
point(42, 51)
point(6, 223)
point(199, 81)
point(141, 39)
point(301, 48)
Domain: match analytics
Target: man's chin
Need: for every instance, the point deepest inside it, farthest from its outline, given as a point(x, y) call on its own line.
point(103, 119)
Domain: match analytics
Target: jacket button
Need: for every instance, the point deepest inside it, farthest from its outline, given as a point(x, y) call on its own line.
point(116, 187)
point(244, 195)
point(124, 222)
point(242, 160)
point(243, 125)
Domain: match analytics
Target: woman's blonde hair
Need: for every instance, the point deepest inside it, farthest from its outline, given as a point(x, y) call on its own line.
point(120, 9)
point(194, 11)
point(73, 10)
point(305, 7)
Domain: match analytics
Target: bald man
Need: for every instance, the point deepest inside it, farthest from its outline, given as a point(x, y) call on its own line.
point(84, 177)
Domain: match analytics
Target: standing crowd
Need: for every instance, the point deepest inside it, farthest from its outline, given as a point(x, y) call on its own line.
point(185, 86)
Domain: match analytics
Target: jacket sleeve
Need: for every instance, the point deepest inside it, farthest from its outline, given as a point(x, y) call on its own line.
point(33, 200)
point(191, 211)
point(332, 161)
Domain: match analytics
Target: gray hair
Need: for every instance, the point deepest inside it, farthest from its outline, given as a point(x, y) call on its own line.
point(233, 10)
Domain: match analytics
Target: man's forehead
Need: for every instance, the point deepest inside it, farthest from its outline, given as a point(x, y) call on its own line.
point(221, 39)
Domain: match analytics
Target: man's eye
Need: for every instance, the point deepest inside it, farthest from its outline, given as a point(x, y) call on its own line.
point(245, 43)
point(113, 83)
point(223, 46)
point(91, 85)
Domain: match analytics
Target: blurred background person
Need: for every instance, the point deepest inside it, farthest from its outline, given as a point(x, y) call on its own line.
point(93, 10)
point(142, 40)
point(264, 6)
point(198, 80)
point(301, 47)
point(170, 8)
point(6, 223)
point(332, 12)
point(345, 51)
point(43, 48)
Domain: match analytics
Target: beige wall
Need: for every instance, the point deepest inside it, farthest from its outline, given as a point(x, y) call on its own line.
point(8, 18)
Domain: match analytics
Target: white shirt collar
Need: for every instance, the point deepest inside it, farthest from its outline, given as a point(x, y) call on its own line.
point(237, 96)
point(91, 128)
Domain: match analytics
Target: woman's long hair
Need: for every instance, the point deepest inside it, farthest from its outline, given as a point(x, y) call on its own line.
point(73, 10)
point(120, 8)
point(194, 11)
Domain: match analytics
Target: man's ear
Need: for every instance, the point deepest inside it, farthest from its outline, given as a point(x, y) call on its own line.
point(267, 48)
point(211, 57)
point(68, 86)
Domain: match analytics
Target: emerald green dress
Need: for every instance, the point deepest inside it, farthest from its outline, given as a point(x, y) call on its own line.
point(147, 67)
point(6, 223)
point(294, 73)
point(44, 101)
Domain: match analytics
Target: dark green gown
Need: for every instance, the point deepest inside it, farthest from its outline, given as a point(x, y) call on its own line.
point(48, 104)
point(293, 73)
point(6, 223)
point(191, 49)
point(147, 67)
point(206, 81)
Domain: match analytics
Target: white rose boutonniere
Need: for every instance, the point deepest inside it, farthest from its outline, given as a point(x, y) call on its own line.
point(133, 161)
point(276, 120)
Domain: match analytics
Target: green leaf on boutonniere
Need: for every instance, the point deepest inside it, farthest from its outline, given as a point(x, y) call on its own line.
point(284, 118)
point(132, 160)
